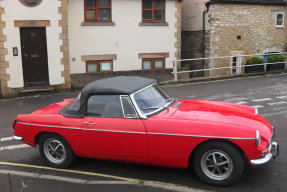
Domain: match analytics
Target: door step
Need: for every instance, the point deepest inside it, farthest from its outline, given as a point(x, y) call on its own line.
point(37, 89)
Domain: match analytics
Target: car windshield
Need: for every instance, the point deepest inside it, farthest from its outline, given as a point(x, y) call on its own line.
point(152, 99)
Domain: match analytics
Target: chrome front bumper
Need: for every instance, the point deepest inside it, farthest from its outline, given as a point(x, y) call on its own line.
point(272, 152)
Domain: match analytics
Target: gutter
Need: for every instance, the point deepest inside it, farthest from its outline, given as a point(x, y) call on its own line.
point(248, 3)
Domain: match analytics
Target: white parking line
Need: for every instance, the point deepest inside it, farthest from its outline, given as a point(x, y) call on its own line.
point(11, 147)
point(241, 102)
point(260, 100)
point(282, 97)
point(278, 103)
point(257, 106)
point(6, 139)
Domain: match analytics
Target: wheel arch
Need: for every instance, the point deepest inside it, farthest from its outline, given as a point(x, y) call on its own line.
point(214, 140)
point(41, 134)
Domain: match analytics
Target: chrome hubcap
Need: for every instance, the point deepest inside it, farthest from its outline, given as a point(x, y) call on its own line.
point(54, 151)
point(216, 164)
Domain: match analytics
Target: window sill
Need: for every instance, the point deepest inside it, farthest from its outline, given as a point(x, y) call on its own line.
point(279, 27)
point(98, 24)
point(94, 73)
point(153, 24)
point(154, 69)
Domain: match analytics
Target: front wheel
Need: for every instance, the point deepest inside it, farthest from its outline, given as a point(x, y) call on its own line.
point(218, 163)
point(56, 151)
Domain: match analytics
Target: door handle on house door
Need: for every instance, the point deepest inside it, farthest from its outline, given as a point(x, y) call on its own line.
point(25, 55)
point(89, 123)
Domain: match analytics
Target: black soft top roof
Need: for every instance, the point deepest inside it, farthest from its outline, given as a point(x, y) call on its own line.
point(122, 85)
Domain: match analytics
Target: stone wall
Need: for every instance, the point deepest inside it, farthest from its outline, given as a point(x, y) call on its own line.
point(4, 76)
point(247, 29)
point(81, 79)
point(64, 36)
point(192, 47)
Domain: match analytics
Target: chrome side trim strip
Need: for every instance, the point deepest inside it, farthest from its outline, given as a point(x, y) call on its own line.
point(142, 133)
point(75, 128)
point(213, 137)
point(50, 126)
point(97, 130)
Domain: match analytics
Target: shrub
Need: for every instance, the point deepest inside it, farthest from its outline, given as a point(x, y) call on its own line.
point(254, 60)
point(257, 60)
point(276, 58)
point(249, 61)
point(74, 85)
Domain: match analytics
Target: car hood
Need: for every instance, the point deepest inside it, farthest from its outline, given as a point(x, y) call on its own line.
point(222, 113)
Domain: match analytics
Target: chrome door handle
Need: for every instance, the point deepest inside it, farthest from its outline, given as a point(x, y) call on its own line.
point(89, 123)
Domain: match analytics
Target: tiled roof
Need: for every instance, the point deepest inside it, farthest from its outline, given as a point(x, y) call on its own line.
point(257, 2)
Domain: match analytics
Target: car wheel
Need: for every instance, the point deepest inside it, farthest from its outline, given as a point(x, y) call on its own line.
point(218, 163)
point(56, 151)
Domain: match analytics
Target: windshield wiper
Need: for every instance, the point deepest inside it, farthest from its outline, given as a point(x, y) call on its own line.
point(155, 107)
point(148, 108)
point(169, 100)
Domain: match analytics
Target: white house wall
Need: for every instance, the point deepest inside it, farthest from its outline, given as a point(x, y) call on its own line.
point(126, 39)
point(47, 10)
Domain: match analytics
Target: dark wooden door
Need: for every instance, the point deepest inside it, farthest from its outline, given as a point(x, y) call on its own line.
point(34, 56)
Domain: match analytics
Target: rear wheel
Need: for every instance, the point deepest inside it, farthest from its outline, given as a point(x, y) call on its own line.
point(56, 151)
point(218, 163)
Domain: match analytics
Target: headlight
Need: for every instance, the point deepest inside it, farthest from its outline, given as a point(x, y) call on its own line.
point(258, 138)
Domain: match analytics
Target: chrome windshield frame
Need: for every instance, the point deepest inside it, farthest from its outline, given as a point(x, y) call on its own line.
point(141, 114)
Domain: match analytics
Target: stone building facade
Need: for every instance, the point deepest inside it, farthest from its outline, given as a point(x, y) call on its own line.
point(232, 27)
point(245, 27)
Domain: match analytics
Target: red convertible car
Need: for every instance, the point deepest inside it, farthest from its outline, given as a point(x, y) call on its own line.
point(131, 119)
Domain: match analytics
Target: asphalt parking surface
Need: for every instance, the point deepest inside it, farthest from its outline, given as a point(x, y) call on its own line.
point(268, 94)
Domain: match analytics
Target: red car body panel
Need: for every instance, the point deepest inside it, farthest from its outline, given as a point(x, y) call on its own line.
point(165, 139)
point(117, 139)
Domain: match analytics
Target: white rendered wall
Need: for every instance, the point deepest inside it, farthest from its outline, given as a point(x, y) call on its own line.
point(126, 39)
point(47, 10)
point(192, 11)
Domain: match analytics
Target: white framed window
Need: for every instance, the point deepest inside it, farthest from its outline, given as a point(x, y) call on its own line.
point(234, 64)
point(279, 19)
point(153, 63)
point(99, 66)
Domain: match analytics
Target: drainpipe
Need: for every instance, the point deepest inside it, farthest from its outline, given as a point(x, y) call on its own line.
point(204, 28)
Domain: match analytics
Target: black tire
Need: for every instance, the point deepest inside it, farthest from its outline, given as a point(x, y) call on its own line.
point(218, 163)
point(56, 151)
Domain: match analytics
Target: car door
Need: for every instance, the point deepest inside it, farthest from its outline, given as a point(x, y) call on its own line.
point(112, 129)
